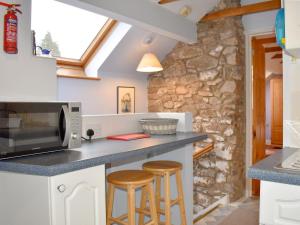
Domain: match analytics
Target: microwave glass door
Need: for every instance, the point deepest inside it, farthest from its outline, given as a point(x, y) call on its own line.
point(30, 128)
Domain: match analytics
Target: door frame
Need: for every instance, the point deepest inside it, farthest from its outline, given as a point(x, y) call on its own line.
point(249, 98)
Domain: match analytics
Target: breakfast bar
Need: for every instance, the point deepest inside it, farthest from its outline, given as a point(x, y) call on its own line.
point(98, 152)
point(69, 187)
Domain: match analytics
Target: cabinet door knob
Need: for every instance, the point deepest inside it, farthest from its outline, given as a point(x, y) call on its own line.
point(61, 188)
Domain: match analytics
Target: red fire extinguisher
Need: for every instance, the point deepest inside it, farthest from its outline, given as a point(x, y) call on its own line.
point(10, 39)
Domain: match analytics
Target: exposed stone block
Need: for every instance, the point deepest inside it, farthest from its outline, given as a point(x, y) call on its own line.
point(225, 154)
point(221, 178)
point(204, 181)
point(231, 41)
point(217, 51)
point(228, 132)
point(205, 93)
point(230, 50)
point(232, 59)
point(175, 70)
point(169, 105)
point(181, 90)
point(214, 82)
point(222, 166)
point(228, 86)
point(202, 63)
point(208, 75)
point(187, 52)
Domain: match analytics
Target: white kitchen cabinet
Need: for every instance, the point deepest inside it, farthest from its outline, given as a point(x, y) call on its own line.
point(292, 27)
point(279, 204)
point(74, 198)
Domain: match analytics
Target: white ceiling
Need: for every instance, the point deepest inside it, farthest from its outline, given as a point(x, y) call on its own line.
point(199, 7)
point(129, 52)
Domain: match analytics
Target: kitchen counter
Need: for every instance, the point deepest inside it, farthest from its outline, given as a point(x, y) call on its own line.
point(98, 152)
point(279, 187)
point(265, 170)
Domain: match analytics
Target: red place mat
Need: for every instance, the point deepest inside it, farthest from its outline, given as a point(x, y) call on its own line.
point(128, 137)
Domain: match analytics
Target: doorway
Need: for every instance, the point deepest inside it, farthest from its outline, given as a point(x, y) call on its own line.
point(267, 103)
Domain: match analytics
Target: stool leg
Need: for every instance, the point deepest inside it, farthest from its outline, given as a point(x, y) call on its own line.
point(110, 202)
point(143, 205)
point(167, 199)
point(158, 196)
point(131, 205)
point(152, 204)
point(180, 197)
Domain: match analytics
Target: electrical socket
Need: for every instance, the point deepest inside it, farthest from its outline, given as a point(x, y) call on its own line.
point(96, 127)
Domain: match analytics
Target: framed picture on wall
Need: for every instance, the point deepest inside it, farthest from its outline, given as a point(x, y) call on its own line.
point(125, 100)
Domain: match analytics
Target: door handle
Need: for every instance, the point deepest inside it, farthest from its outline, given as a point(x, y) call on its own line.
point(61, 188)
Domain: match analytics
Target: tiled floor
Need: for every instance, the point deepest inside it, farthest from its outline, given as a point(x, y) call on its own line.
point(243, 212)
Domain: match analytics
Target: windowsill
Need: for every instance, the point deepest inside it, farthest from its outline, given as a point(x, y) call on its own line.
point(78, 77)
point(74, 72)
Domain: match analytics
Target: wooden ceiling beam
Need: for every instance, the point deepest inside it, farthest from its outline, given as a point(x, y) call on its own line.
point(273, 49)
point(277, 56)
point(243, 10)
point(166, 1)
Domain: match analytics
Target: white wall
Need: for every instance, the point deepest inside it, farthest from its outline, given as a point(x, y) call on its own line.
point(100, 97)
point(119, 69)
point(258, 22)
point(23, 76)
point(291, 106)
point(261, 23)
point(254, 24)
point(112, 124)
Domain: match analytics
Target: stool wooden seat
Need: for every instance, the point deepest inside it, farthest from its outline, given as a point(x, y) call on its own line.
point(159, 167)
point(131, 180)
point(130, 177)
point(165, 169)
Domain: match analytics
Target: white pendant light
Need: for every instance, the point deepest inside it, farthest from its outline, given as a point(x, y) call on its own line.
point(149, 64)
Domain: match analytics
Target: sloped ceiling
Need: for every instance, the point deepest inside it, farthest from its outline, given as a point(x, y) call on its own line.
point(199, 7)
point(128, 53)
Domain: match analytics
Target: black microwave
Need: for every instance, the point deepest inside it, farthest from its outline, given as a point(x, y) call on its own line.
point(28, 128)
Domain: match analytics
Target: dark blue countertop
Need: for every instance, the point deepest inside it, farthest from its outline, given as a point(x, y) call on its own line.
point(98, 152)
point(266, 169)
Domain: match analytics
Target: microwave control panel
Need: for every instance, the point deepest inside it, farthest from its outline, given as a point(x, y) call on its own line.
point(75, 125)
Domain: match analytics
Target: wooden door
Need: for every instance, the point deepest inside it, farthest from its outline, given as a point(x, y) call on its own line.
point(78, 198)
point(276, 94)
point(259, 107)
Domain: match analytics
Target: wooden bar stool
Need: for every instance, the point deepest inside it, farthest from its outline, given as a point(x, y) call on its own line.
point(165, 169)
point(130, 181)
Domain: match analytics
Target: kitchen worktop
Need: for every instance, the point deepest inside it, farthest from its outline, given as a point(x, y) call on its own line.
point(266, 169)
point(99, 151)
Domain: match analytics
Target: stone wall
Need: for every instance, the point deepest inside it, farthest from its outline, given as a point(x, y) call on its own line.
point(207, 79)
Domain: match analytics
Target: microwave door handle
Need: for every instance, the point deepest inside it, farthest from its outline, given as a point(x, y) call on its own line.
point(67, 120)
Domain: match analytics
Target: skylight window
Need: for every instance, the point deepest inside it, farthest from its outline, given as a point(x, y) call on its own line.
point(65, 30)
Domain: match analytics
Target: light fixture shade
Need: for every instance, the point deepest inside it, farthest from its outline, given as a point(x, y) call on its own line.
point(149, 64)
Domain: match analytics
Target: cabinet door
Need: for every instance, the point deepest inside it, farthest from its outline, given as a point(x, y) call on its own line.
point(78, 198)
point(279, 204)
point(292, 26)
